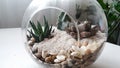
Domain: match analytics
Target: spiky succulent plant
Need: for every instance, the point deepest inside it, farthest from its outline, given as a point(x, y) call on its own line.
point(63, 20)
point(38, 32)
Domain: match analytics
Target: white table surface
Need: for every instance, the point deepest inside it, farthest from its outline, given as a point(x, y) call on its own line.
point(14, 55)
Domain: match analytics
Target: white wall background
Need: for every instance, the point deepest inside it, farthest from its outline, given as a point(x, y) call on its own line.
point(11, 12)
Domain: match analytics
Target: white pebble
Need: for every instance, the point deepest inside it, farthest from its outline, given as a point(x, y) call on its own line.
point(62, 52)
point(44, 54)
point(84, 42)
point(76, 54)
point(60, 57)
point(51, 53)
point(75, 48)
point(57, 61)
point(83, 49)
point(92, 46)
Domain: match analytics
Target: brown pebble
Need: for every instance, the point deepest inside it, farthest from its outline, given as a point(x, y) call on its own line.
point(68, 30)
point(53, 57)
point(38, 55)
point(48, 59)
point(73, 29)
point(34, 50)
point(87, 26)
point(75, 36)
point(85, 34)
point(72, 33)
point(88, 51)
point(32, 39)
point(30, 43)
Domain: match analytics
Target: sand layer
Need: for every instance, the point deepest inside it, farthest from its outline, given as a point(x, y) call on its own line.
point(64, 49)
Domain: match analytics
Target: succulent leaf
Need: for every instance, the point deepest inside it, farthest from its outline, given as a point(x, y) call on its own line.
point(40, 33)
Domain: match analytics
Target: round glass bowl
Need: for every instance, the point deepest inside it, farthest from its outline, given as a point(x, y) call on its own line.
point(64, 33)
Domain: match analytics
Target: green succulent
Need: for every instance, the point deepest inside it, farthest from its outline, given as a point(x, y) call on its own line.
point(63, 19)
point(39, 33)
point(78, 11)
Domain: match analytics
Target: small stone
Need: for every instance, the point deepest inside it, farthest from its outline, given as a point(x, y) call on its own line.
point(75, 36)
point(94, 30)
point(93, 46)
point(88, 51)
point(75, 48)
point(84, 43)
point(57, 61)
point(30, 43)
point(44, 54)
point(76, 54)
point(60, 57)
point(72, 33)
point(87, 25)
point(62, 52)
point(32, 39)
point(53, 56)
point(48, 59)
point(85, 34)
point(78, 43)
point(68, 30)
point(83, 49)
point(51, 53)
point(38, 55)
point(73, 29)
point(34, 50)
point(81, 27)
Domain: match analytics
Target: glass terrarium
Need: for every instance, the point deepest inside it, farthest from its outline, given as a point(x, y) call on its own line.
point(64, 33)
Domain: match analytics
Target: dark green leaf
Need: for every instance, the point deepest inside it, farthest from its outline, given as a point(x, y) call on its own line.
point(117, 6)
point(101, 2)
point(35, 36)
point(46, 26)
point(40, 30)
point(67, 18)
point(112, 12)
point(59, 24)
point(46, 22)
point(34, 28)
point(40, 34)
point(78, 11)
point(61, 15)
